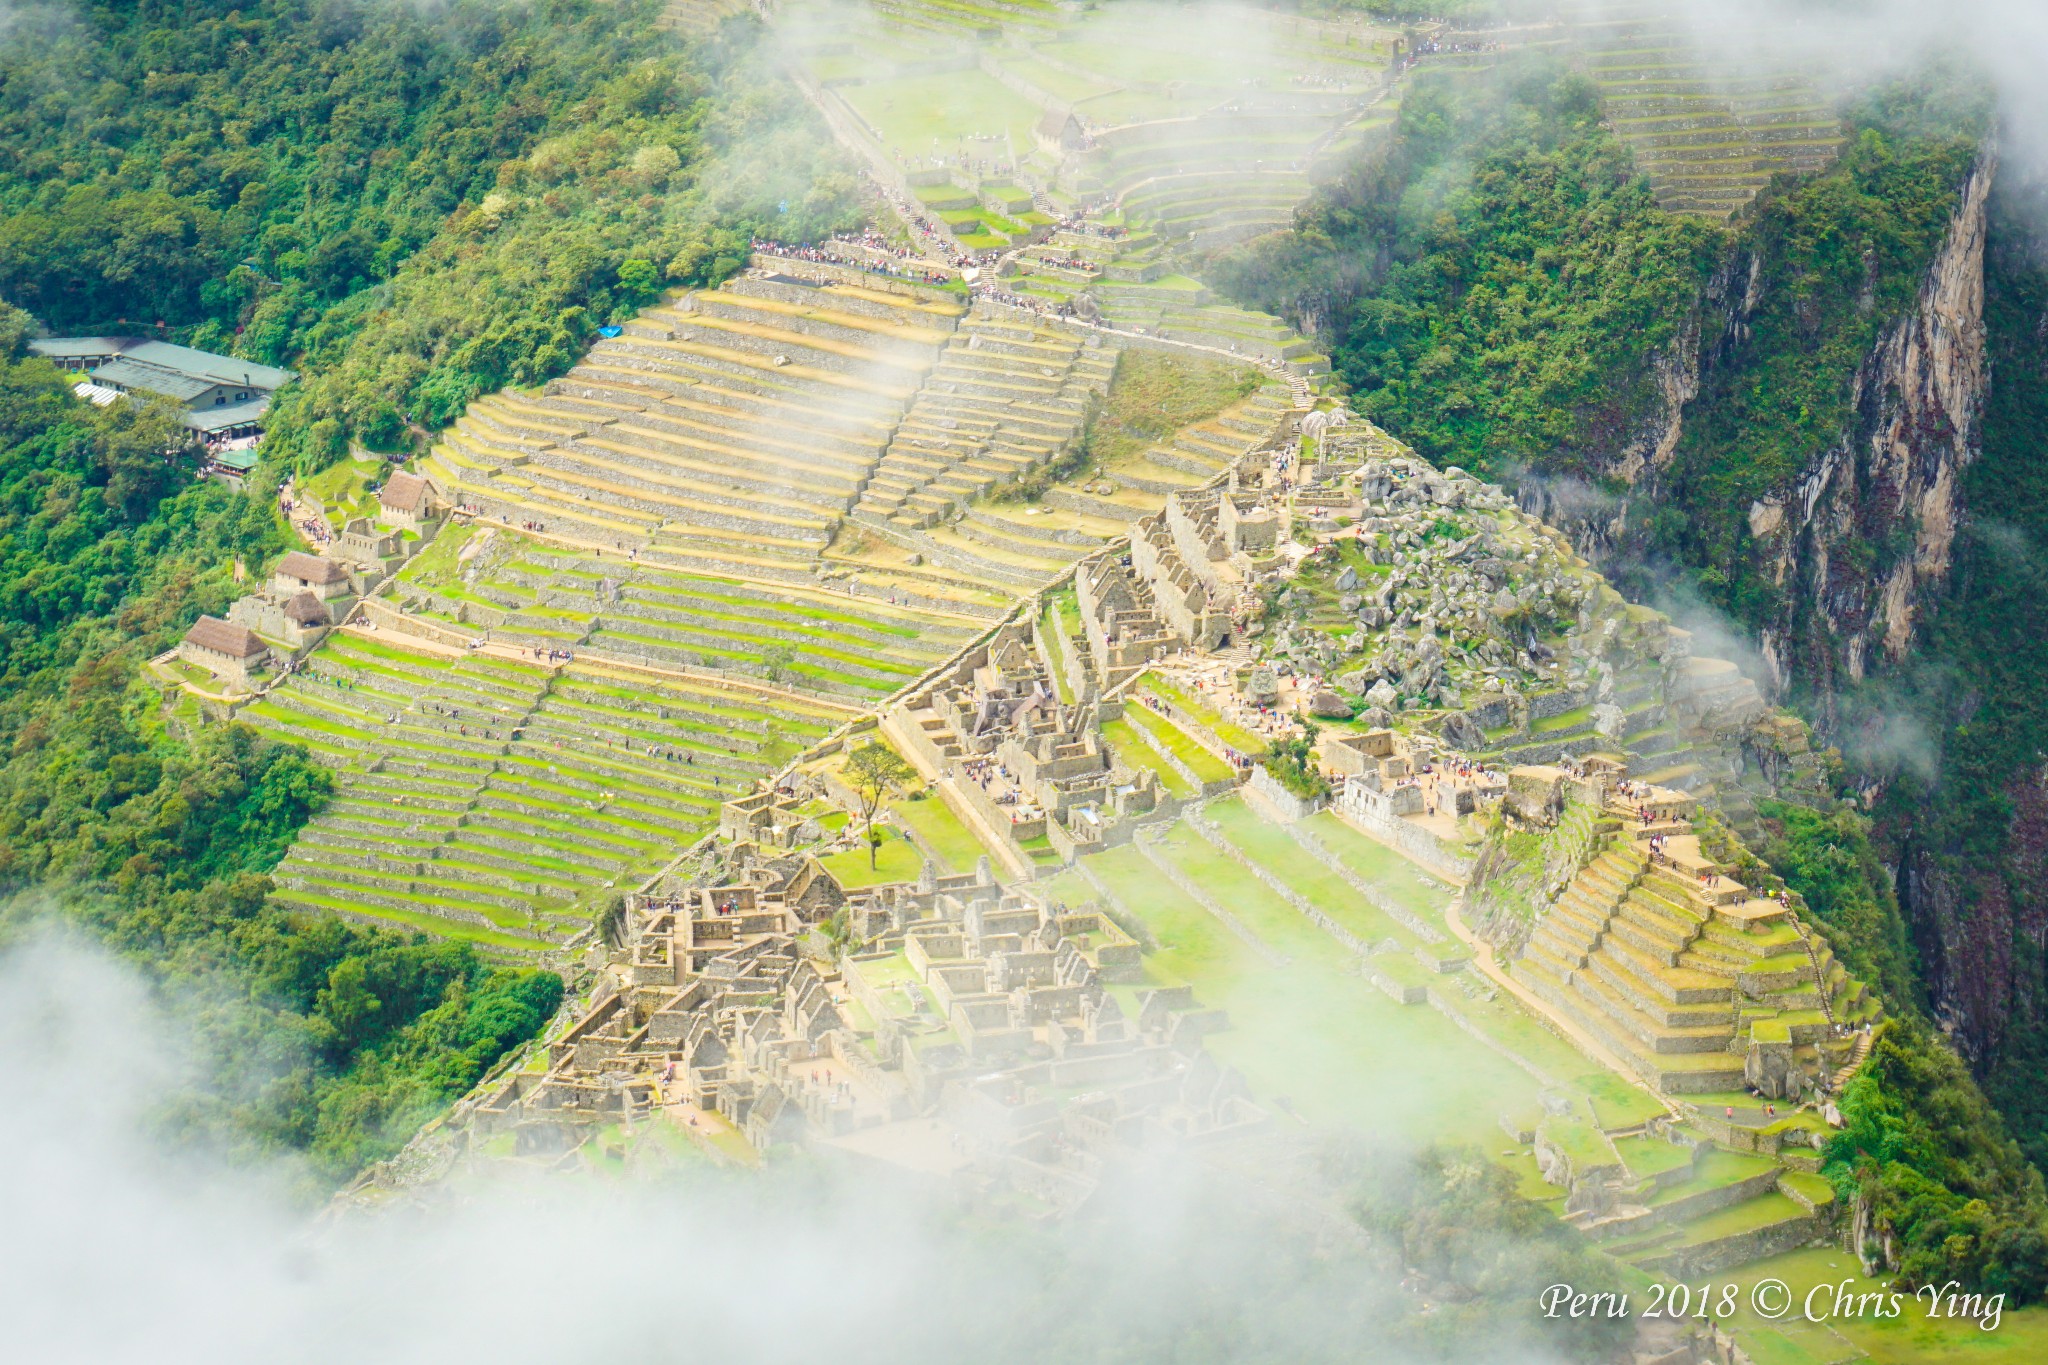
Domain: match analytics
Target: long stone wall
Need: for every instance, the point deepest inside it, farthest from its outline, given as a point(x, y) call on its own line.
point(1369, 810)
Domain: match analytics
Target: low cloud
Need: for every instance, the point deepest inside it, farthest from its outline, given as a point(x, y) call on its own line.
point(119, 1249)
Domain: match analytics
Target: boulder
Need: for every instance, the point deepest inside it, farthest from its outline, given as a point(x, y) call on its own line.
point(1327, 705)
point(1382, 694)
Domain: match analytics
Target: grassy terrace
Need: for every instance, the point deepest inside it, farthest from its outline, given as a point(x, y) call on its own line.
point(800, 635)
point(1231, 733)
point(1396, 877)
point(1311, 1031)
point(1204, 765)
point(492, 799)
point(1142, 757)
point(1268, 845)
point(1056, 627)
point(897, 860)
point(934, 822)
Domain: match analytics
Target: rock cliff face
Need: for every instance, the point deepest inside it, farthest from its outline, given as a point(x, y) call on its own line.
point(1862, 539)
point(1860, 543)
point(1891, 482)
point(1982, 931)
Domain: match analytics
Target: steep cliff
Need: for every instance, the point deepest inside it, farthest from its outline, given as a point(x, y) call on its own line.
point(1969, 832)
point(1811, 421)
point(1891, 483)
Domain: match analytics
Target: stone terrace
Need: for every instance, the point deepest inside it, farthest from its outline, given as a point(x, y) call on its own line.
point(1026, 547)
point(726, 431)
point(1008, 394)
point(859, 649)
point(1684, 974)
point(494, 799)
point(1709, 141)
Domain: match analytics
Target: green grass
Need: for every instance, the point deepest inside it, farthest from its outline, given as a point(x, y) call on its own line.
point(1136, 753)
point(1649, 1156)
point(896, 861)
point(943, 832)
point(1912, 1338)
point(1579, 1141)
point(1204, 765)
point(1747, 1216)
point(1714, 1170)
point(343, 488)
point(1269, 846)
point(1236, 736)
point(1394, 875)
point(1057, 625)
point(915, 112)
point(1311, 1030)
point(1618, 1103)
point(431, 924)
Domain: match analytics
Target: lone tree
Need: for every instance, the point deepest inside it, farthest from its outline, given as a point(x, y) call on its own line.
point(873, 768)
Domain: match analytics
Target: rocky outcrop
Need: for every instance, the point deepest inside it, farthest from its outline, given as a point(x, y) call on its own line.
point(1862, 539)
point(1892, 481)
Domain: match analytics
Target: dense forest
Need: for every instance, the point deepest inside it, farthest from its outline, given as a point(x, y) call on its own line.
point(409, 205)
point(413, 204)
point(1496, 285)
point(153, 839)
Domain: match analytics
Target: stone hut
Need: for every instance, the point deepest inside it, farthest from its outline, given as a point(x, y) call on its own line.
point(228, 651)
point(299, 573)
point(1059, 132)
point(406, 500)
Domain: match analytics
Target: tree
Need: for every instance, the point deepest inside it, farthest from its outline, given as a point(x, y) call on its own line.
point(872, 769)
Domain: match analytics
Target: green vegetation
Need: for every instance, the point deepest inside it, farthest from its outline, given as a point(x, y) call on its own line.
point(154, 837)
point(1231, 733)
point(1460, 1221)
point(1923, 1146)
point(1920, 1143)
point(940, 830)
point(1962, 731)
point(1292, 762)
point(890, 858)
point(1497, 280)
point(1179, 743)
point(1827, 857)
point(1838, 257)
point(411, 206)
point(1155, 394)
point(872, 770)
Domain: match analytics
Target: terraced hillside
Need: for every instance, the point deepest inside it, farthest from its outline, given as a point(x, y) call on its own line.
point(1354, 999)
point(1183, 131)
point(726, 431)
point(1006, 396)
point(496, 792)
point(489, 798)
point(1673, 974)
point(1710, 138)
point(1025, 546)
point(528, 594)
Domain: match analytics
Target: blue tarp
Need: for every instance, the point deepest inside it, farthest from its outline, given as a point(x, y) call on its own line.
point(609, 331)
